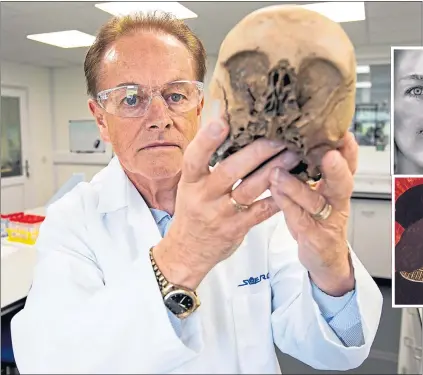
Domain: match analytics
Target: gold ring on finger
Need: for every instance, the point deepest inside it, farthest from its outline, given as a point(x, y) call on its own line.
point(313, 184)
point(238, 206)
point(324, 213)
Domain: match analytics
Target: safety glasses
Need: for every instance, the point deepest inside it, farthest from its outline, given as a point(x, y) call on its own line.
point(134, 100)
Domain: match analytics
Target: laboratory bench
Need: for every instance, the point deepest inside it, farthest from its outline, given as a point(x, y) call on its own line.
point(17, 265)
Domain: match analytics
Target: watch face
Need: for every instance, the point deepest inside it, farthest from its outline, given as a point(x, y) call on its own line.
point(179, 303)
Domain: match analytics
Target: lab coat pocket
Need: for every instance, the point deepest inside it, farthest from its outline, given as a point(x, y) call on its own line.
point(252, 320)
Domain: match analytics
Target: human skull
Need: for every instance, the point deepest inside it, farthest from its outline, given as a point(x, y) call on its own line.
point(286, 73)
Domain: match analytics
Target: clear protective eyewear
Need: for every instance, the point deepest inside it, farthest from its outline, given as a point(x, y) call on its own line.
point(134, 100)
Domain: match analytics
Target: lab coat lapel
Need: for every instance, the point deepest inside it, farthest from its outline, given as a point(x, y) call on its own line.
point(141, 220)
point(118, 192)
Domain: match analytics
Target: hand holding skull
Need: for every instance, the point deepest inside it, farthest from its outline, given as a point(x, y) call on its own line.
point(322, 244)
point(207, 228)
point(286, 73)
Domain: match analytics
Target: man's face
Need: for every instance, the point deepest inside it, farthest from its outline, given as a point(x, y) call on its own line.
point(151, 60)
point(408, 104)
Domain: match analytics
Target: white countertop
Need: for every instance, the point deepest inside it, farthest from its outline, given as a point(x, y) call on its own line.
point(372, 184)
point(17, 266)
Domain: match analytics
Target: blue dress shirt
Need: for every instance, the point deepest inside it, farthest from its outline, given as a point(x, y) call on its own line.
point(341, 313)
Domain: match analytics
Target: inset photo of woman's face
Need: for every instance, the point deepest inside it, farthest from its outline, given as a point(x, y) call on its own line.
point(408, 110)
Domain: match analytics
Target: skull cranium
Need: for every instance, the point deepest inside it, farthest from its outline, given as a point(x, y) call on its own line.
point(286, 73)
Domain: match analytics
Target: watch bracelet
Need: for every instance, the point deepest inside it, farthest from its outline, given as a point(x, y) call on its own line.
point(164, 284)
point(161, 280)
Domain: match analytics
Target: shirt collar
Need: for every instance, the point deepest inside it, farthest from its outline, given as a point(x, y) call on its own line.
point(159, 215)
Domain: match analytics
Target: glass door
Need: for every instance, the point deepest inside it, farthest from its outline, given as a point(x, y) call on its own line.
point(16, 192)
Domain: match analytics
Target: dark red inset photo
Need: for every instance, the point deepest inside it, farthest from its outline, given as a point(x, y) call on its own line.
point(408, 241)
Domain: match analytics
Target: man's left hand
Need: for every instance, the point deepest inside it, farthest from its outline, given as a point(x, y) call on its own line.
point(322, 243)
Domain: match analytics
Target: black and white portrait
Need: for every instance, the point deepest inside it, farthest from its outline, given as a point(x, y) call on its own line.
point(408, 110)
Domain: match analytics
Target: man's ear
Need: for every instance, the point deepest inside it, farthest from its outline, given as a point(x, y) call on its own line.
point(200, 107)
point(98, 114)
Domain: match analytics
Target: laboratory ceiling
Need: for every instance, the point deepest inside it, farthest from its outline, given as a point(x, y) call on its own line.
point(387, 23)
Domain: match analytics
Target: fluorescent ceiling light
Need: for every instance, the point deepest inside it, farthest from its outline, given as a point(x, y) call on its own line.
point(121, 8)
point(339, 11)
point(363, 69)
point(363, 85)
point(64, 39)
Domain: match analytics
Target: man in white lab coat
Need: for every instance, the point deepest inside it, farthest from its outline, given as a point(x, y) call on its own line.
point(157, 266)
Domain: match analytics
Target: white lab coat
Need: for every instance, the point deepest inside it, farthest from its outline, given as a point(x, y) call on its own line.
point(95, 306)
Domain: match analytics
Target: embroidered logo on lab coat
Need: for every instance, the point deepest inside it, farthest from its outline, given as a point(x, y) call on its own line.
point(254, 280)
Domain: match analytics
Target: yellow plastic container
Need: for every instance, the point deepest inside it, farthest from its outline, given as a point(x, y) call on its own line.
point(24, 229)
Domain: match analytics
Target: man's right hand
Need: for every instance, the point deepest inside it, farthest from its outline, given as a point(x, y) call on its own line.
point(206, 227)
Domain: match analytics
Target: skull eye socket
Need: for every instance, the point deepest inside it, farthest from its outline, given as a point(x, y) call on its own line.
point(320, 80)
point(246, 71)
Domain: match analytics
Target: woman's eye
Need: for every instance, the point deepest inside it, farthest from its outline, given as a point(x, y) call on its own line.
point(415, 92)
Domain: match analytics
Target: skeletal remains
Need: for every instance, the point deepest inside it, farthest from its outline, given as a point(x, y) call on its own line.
point(286, 73)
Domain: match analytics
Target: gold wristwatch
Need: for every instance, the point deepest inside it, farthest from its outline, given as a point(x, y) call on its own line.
point(181, 301)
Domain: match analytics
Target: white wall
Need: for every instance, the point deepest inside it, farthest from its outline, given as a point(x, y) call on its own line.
point(36, 81)
point(70, 103)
